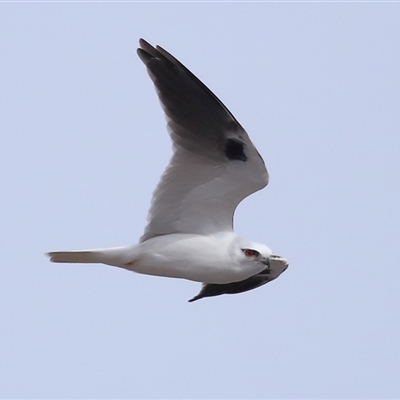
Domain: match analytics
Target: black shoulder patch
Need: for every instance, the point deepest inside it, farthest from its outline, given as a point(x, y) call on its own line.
point(234, 150)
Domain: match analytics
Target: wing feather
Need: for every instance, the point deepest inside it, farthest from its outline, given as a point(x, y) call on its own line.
point(214, 165)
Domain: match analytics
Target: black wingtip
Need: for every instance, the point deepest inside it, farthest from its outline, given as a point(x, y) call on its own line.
point(145, 45)
point(143, 55)
point(145, 51)
point(195, 298)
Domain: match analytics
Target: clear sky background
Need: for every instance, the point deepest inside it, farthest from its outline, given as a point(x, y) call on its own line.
point(83, 143)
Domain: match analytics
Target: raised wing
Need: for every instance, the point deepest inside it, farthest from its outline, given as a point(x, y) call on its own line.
point(214, 165)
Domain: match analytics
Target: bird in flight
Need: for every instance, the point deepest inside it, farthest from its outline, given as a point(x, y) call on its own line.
point(214, 166)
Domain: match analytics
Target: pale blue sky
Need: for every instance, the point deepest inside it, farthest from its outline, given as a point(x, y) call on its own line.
point(83, 143)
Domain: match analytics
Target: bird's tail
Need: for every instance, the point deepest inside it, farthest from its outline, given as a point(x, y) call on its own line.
point(112, 256)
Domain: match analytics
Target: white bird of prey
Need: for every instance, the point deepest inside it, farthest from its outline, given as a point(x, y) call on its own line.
point(213, 168)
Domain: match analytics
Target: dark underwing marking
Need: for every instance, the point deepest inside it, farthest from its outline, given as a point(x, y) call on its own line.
point(234, 150)
point(214, 289)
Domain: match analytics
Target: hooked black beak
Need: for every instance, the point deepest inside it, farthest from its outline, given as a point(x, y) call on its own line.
point(266, 262)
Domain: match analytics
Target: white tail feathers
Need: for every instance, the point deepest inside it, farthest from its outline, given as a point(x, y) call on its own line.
point(87, 256)
point(113, 256)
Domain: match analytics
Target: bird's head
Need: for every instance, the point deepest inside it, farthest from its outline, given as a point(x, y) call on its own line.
point(271, 265)
point(255, 252)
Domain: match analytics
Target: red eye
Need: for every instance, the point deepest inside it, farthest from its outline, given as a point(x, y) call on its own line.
point(250, 253)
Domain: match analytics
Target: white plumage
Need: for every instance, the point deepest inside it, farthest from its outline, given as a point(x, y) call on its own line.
point(213, 168)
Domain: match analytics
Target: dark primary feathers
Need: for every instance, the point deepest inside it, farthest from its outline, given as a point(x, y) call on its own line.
point(278, 266)
point(213, 289)
point(198, 120)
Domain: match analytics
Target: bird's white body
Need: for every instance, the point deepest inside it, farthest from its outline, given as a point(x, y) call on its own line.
point(213, 258)
point(214, 167)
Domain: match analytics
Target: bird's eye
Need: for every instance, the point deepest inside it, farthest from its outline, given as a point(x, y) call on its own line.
point(250, 253)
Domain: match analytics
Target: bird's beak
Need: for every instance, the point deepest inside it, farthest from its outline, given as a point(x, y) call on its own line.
point(266, 262)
